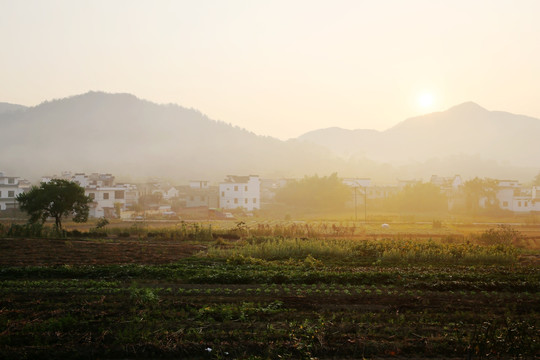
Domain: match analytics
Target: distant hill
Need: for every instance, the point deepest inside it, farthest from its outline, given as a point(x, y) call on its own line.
point(466, 130)
point(137, 139)
point(6, 107)
point(119, 133)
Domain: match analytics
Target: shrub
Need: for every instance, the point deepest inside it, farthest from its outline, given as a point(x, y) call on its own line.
point(102, 222)
point(26, 230)
point(502, 235)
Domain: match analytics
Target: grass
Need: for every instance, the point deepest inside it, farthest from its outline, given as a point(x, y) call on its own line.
point(368, 251)
point(270, 292)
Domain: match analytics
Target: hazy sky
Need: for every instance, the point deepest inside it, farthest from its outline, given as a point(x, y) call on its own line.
point(278, 68)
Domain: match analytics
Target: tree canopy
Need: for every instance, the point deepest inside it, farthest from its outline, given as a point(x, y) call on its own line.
point(536, 181)
point(478, 191)
point(421, 197)
point(324, 193)
point(57, 198)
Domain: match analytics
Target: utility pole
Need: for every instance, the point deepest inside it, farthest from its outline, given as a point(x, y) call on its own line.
point(355, 207)
point(365, 204)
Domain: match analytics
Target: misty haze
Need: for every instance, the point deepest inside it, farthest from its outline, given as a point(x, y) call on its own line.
point(269, 180)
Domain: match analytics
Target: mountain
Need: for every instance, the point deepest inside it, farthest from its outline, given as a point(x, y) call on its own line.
point(124, 135)
point(6, 107)
point(466, 130)
point(135, 139)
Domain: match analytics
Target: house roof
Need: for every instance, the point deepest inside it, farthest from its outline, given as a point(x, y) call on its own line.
point(237, 179)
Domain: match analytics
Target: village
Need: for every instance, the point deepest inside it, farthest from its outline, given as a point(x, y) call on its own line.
point(201, 199)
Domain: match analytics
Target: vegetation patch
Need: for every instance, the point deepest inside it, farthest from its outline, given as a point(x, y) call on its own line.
point(268, 297)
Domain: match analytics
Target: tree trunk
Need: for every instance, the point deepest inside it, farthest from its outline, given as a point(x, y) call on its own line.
point(58, 223)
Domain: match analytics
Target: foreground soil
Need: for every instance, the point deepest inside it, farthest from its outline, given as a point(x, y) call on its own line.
point(46, 252)
point(112, 299)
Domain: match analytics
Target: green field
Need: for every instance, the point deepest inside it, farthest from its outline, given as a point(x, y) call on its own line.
point(279, 291)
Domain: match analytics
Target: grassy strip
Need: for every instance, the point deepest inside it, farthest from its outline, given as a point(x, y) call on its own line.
point(363, 251)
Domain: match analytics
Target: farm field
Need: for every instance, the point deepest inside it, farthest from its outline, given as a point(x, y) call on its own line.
point(271, 292)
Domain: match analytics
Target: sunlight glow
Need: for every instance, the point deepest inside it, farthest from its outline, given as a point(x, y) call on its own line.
point(425, 100)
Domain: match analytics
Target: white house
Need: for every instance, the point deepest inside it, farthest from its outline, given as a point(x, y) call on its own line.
point(10, 187)
point(103, 192)
point(512, 197)
point(535, 198)
point(199, 184)
point(450, 183)
point(167, 192)
point(104, 200)
point(240, 192)
point(450, 186)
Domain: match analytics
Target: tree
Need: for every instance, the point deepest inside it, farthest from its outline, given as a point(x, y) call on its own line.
point(536, 181)
point(57, 198)
point(324, 193)
point(421, 197)
point(478, 191)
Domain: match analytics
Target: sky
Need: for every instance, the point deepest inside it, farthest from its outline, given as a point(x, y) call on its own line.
point(278, 68)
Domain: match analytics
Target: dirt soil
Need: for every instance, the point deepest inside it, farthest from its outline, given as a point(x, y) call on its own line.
point(46, 252)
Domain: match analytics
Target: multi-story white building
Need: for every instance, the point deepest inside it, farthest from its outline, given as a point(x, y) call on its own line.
point(10, 187)
point(513, 197)
point(240, 192)
point(104, 200)
point(106, 197)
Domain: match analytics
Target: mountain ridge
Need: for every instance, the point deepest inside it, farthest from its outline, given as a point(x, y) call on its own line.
point(466, 128)
point(125, 135)
point(8, 107)
point(120, 133)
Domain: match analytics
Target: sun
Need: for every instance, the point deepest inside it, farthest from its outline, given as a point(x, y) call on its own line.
point(425, 100)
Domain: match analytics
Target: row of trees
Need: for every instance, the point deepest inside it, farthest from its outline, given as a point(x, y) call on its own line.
point(329, 193)
point(326, 193)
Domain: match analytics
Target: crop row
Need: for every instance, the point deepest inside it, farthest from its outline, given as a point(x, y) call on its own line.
point(149, 322)
point(426, 278)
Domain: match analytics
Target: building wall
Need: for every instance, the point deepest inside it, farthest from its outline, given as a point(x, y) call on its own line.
point(9, 189)
point(104, 200)
point(234, 195)
point(199, 184)
point(202, 197)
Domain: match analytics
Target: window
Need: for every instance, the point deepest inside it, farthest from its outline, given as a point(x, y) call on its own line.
point(119, 194)
point(192, 198)
point(11, 193)
point(92, 196)
point(11, 181)
point(236, 200)
point(223, 194)
point(0, 194)
point(505, 203)
point(203, 198)
point(246, 200)
point(519, 203)
point(236, 188)
point(245, 188)
point(254, 200)
point(105, 196)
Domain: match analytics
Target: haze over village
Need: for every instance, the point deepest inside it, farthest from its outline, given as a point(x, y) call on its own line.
point(260, 180)
point(168, 150)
